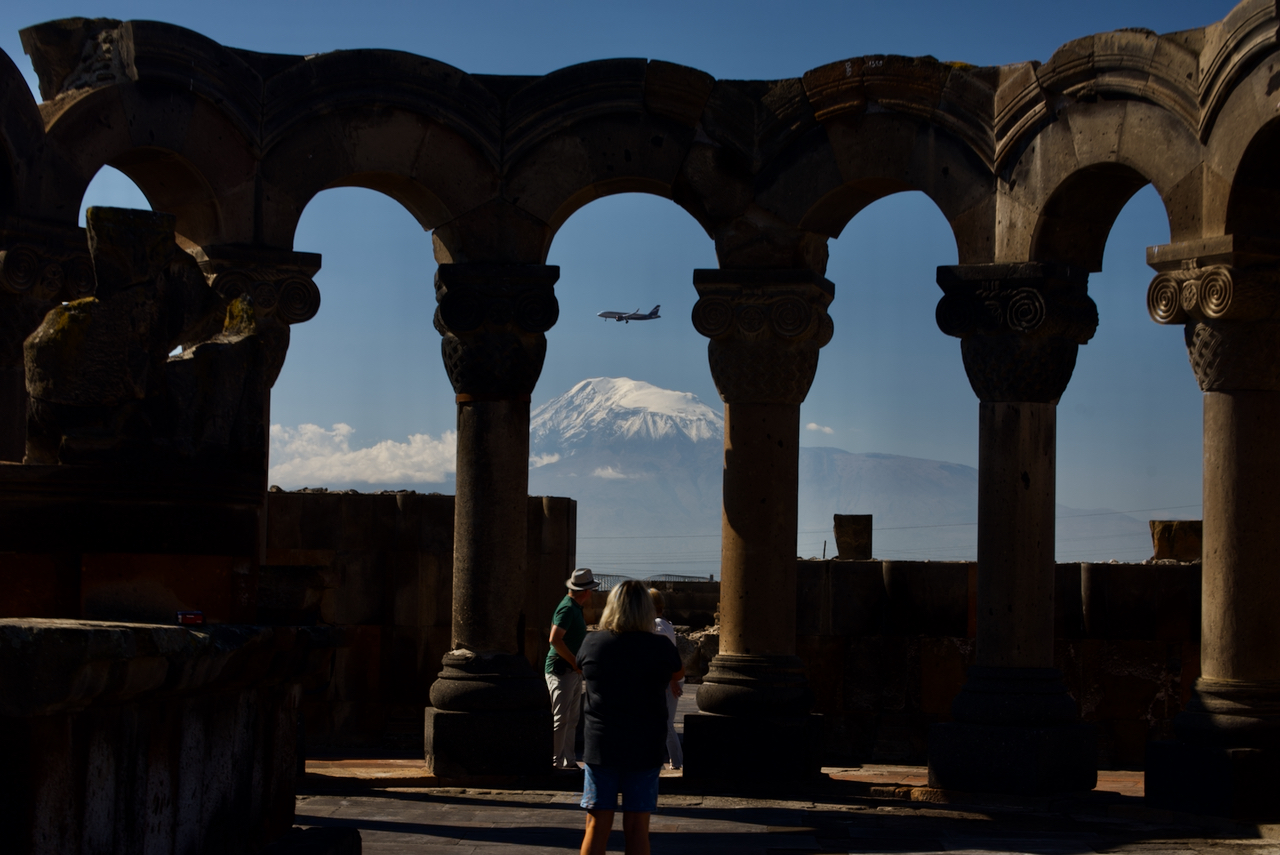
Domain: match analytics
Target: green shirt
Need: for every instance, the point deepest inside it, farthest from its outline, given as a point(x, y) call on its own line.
point(568, 617)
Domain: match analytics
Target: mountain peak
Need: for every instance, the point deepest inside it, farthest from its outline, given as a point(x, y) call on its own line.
point(602, 409)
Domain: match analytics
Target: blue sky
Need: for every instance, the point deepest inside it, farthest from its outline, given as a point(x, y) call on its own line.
point(1129, 424)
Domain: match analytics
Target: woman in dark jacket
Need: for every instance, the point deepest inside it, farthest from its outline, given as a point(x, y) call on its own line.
point(627, 669)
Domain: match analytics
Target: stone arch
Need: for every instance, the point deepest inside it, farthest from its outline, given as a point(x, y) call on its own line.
point(880, 154)
point(1238, 179)
point(1253, 206)
point(196, 172)
point(601, 128)
point(420, 131)
point(21, 130)
point(1059, 199)
point(173, 110)
point(889, 124)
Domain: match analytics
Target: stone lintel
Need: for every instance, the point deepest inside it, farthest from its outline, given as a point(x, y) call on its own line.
point(1234, 250)
point(228, 256)
point(499, 278)
point(52, 666)
point(962, 277)
point(708, 280)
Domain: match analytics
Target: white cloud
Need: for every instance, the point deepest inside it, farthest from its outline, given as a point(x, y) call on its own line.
point(818, 427)
point(543, 460)
point(310, 456)
point(608, 473)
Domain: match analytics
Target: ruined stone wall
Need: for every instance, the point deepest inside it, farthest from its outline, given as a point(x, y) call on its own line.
point(139, 738)
point(380, 567)
point(886, 645)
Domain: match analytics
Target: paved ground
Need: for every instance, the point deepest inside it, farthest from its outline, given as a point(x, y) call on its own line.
point(865, 810)
point(398, 808)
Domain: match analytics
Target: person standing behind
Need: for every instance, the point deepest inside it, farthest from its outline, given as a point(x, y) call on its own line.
point(564, 677)
point(627, 668)
point(663, 627)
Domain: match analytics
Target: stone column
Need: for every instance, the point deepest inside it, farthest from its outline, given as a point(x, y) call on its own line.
point(41, 265)
point(1226, 756)
point(490, 712)
point(766, 328)
point(1015, 728)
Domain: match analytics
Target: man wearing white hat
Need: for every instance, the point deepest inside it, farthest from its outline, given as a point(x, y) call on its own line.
point(564, 677)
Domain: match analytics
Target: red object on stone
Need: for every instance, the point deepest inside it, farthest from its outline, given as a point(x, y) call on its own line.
point(190, 618)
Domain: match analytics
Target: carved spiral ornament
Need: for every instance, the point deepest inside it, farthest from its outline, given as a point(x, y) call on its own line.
point(790, 317)
point(751, 319)
point(712, 316)
point(1026, 310)
point(50, 281)
point(79, 278)
point(1190, 295)
point(232, 284)
point(299, 300)
point(265, 296)
point(1164, 300)
point(538, 313)
point(19, 269)
point(1216, 291)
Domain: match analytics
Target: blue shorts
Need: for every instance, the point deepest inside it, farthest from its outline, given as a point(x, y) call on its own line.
point(602, 785)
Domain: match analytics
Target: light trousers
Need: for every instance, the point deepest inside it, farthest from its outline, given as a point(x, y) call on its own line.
point(566, 705)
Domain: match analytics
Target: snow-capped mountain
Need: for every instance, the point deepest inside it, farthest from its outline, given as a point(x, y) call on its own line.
point(645, 466)
point(602, 410)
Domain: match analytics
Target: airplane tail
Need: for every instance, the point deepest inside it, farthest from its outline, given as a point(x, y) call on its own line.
point(654, 313)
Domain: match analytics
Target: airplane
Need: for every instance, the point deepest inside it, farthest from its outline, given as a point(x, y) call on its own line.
point(628, 317)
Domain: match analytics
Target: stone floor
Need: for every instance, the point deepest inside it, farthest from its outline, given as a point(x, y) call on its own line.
point(398, 809)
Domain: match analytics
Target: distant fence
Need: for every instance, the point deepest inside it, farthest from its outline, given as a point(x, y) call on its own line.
point(611, 580)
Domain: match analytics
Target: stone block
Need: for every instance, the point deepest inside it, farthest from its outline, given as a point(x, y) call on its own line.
point(927, 598)
point(716, 748)
point(853, 536)
point(1178, 540)
point(839, 597)
point(1013, 759)
point(505, 742)
point(1141, 601)
point(1239, 783)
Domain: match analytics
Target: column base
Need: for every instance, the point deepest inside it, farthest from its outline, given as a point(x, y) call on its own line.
point(729, 748)
point(498, 742)
point(1238, 783)
point(1013, 759)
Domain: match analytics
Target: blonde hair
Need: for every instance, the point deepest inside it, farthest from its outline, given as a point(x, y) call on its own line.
point(659, 604)
point(628, 609)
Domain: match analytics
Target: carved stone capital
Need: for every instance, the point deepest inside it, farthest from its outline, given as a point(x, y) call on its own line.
point(766, 327)
point(1219, 292)
point(1226, 295)
point(1019, 326)
point(279, 283)
point(1229, 356)
point(493, 320)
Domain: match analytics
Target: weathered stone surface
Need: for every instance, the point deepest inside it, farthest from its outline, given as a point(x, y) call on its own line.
point(853, 536)
point(129, 737)
point(1177, 540)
